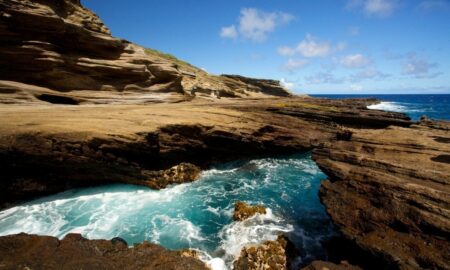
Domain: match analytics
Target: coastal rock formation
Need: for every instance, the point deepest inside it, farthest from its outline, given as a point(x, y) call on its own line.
point(269, 87)
point(64, 47)
point(103, 110)
point(321, 265)
point(243, 211)
point(44, 150)
point(388, 191)
point(275, 254)
point(24, 251)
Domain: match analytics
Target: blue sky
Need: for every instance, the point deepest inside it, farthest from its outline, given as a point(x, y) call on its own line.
point(315, 47)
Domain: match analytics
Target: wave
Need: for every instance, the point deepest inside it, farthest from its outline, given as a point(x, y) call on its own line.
point(254, 230)
point(388, 106)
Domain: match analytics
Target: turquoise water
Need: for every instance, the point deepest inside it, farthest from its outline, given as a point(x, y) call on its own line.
point(196, 215)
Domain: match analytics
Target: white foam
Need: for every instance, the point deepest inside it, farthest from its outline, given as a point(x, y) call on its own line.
point(216, 264)
point(254, 230)
point(388, 106)
point(176, 227)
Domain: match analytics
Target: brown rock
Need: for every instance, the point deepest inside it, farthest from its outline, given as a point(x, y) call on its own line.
point(24, 251)
point(181, 173)
point(275, 255)
point(389, 192)
point(321, 265)
point(243, 211)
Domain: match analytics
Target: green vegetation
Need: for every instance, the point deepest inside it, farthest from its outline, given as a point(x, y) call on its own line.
point(169, 57)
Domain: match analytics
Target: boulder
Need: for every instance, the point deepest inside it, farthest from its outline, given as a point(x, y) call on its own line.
point(243, 211)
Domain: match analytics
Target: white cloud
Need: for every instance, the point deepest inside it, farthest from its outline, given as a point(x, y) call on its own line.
point(430, 5)
point(355, 61)
point(368, 73)
point(356, 87)
point(255, 24)
point(229, 32)
point(287, 84)
point(324, 78)
point(294, 64)
point(380, 8)
point(311, 47)
point(418, 67)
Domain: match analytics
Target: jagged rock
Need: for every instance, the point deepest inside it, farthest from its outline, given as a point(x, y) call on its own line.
point(270, 87)
point(276, 255)
point(321, 265)
point(22, 251)
point(46, 148)
point(243, 211)
point(181, 173)
point(37, 47)
point(388, 191)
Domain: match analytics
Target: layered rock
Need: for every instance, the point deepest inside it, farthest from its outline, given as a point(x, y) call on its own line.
point(322, 265)
point(44, 150)
point(63, 46)
point(24, 251)
point(389, 192)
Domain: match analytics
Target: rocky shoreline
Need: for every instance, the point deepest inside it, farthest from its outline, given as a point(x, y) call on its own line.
point(106, 110)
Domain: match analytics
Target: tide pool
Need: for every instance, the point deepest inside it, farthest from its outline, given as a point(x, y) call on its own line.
point(194, 215)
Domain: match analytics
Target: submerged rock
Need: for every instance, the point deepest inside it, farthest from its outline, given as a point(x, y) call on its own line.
point(243, 211)
point(24, 251)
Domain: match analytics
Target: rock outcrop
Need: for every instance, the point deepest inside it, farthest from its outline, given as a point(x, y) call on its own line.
point(44, 150)
point(388, 191)
point(243, 211)
point(277, 254)
point(81, 108)
point(269, 87)
point(321, 265)
point(64, 47)
point(24, 251)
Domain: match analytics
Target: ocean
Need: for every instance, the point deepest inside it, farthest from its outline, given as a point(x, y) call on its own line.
point(433, 106)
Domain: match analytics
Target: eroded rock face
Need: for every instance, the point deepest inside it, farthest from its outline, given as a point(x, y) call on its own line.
point(62, 46)
point(24, 251)
point(51, 148)
point(389, 192)
point(268, 255)
point(243, 211)
point(321, 265)
point(269, 87)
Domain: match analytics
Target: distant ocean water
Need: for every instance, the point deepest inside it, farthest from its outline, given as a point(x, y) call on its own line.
point(433, 106)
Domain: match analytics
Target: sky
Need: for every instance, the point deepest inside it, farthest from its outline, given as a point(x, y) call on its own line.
point(313, 47)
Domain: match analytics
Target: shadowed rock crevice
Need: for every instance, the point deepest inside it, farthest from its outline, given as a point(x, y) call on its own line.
point(58, 99)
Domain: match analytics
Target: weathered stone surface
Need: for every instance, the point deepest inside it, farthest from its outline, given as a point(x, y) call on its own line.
point(275, 254)
point(269, 87)
point(60, 45)
point(243, 211)
point(24, 251)
point(49, 148)
point(388, 190)
point(321, 265)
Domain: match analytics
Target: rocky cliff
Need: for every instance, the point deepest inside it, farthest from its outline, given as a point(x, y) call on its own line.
point(62, 46)
point(388, 191)
point(80, 108)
